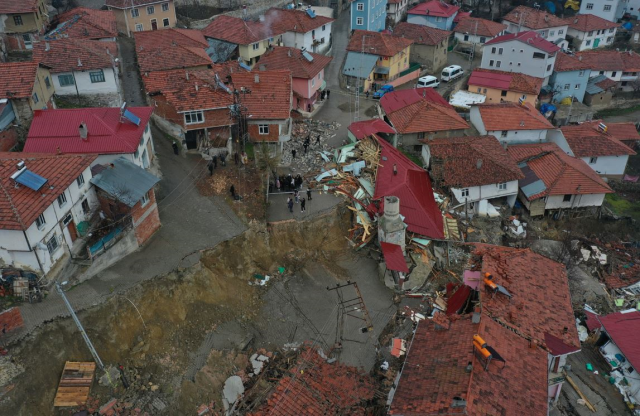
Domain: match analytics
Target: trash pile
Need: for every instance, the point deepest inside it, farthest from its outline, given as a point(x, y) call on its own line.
point(315, 134)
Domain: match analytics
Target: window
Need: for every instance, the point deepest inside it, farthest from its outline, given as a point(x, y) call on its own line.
point(549, 67)
point(498, 64)
point(96, 76)
point(502, 186)
point(552, 33)
point(62, 199)
point(577, 87)
point(493, 50)
point(28, 43)
point(263, 129)
point(465, 193)
point(607, 8)
point(139, 27)
point(589, 6)
point(484, 91)
point(613, 74)
point(165, 22)
point(610, 39)
point(324, 27)
point(466, 38)
point(483, 39)
point(359, 21)
point(165, 7)
point(313, 80)
point(193, 117)
point(35, 97)
point(135, 13)
point(521, 50)
point(503, 133)
point(543, 33)
point(52, 244)
point(17, 20)
point(145, 199)
point(567, 86)
point(256, 46)
point(593, 160)
point(588, 43)
point(438, 19)
point(491, 62)
point(47, 82)
point(40, 222)
point(567, 198)
point(360, 6)
point(601, 73)
point(590, 33)
point(538, 55)
point(479, 89)
point(519, 63)
point(500, 51)
point(85, 206)
point(313, 34)
point(80, 180)
point(581, 73)
point(560, 32)
point(612, 30)
point(151, 10)
point(503, 94)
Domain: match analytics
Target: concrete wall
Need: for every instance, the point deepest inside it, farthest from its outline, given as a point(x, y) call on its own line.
point(552, 34)
point(577, 201)
point(434, 58)
point(592, 40)
point(610, 166)
point(518, 57)
point(597, 7)
point(128, 24)
point(495, 96)
point(431, 21)
point(43, 91)
point(613, 75)
point(476, 120)
point(520, 136)
point(396, 11)
point(125, 246)
point(374, 15)
point(300, 40)
point(84, 85)
point(478, 40)
point(572, 79)
point(491, 191)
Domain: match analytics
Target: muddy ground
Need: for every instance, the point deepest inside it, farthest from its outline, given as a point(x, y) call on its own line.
point(193, 323)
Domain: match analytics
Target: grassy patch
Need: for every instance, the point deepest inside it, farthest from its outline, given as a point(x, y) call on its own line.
point(622, 206)
point(249, 149)
point(415, 159)
point(610, 112)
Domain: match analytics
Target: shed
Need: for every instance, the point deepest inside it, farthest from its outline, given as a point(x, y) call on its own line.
point(599, 90)
point(125, 181)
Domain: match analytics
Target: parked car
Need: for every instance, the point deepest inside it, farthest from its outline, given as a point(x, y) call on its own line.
point(428, 81)
point(452, 72)
point(382, 91)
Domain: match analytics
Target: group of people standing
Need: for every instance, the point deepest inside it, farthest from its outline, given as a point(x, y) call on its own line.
point(222, 157)
point(297, 199)
point(288, 183)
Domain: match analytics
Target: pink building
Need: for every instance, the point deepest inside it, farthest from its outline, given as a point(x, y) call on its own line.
point(307, 71)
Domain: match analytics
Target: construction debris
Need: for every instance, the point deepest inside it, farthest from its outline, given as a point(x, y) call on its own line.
point(312, 135)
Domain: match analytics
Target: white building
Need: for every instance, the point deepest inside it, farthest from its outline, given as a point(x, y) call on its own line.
point(81, 66)
point(396, 10)
point(477, 32)
point(612, 10)
point(548, 26)
point(587, 31)
point(301, 29)
point(107, 132)
point(525, 52)
point(510, 123)
point(49, 196)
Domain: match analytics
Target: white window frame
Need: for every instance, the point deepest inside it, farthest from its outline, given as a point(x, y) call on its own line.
point(53, 244)
point(567, 87)
point(263, 129)
point(151, 10)
point(190, 116)
point(40, 221)
point(504, 133)
point(581, 73)
point(67, 78)
point(145, 199)
point(135, 13)
point(360, 7)
point(139, 27)
point(589, 6)
point(577, 87)
point(165, 7)
point(80, 180)
point(593, 160)
point(359, 21)
point(606, 8)
point(502, 186)
point(255, 46)
point(464, 193)
point(62, 200)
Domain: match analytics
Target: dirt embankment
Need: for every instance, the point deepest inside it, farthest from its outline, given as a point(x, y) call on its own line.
point(160, 342)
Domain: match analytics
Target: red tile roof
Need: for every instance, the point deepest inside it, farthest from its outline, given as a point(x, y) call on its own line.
point(84, 23)
point(413, 187)
point(512, 116)
point(281, 57)
point(624, 331)
point(566, 63)
point(57, 130)
point(586, 140)
point(161, 50)
point(480, 27)
point(540, 303)
point(455, 161)
point(420, 110)
point(271, 95)
point(507, 81)
point(66, 55)
point(435, 8)
point(393, 257)
point(297, 21)
point(592, 320)
point(589, 22)
point(126, 4)
point(225, 69)
point(460, 16)
point(18, 6)
point(556, 346)
point(606, 83)
point(313, 387)
point(182, 94)
point(238, 31)
point(602, 60)
point(421, 35)
point(533, 18)
point(376, 43)
point(630, 61)
point(362, 129)
point(530, 38)
point(20, 206)
point(17, 79)
point(623, 131)
point(561, 173)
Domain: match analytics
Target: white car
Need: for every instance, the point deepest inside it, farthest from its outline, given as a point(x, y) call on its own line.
point(428, 81)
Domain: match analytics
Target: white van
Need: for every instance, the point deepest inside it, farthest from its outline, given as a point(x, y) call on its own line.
point(428, 81)
point(452, 72)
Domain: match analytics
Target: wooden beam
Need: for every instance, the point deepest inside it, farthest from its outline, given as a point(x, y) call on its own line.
point(577, 389)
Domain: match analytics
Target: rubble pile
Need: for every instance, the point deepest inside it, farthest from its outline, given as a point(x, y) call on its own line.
point(317, 153)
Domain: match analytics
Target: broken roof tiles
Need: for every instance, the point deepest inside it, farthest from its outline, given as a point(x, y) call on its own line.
point(377, 43)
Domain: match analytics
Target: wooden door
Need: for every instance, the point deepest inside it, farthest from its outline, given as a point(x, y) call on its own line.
point(72, 231)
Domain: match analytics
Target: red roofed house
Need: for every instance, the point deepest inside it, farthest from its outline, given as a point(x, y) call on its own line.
point(43, 199)
point(504, 86)
point(418, 114)
point(171, 49)
point(433, 13)
point(268, 105)
point(194, 105)
point(107, 132)
point(26, 87)
point(554, 181)
point(410, 184)
point(252, 39)
point(547, 25)
point(476, 170)
point(588, 31)
point(84, 23)
point(622, 67)
point(592, 142)
point(476, 32)
point(361, 129)
point(626, 132)
point(301, 29)
point(525, 52)
point(307, 73)
point(429, 44)
point(570, 78)
point(81, 67)
point(23, 23)
point(139, 15)
point(510, 123)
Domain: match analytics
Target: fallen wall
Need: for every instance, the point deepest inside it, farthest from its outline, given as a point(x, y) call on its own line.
point(11, 319)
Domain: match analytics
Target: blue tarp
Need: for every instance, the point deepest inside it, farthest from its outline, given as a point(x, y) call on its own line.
point(359, 64)
point(628, 25)
point(104, 240)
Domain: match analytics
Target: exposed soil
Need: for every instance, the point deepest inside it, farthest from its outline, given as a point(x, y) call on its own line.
point(198, 11)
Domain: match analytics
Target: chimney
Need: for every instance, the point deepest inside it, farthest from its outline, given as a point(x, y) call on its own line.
point(187, 75)
point(546, 18)
point(391, 207)
point(256, 79)
point(79, 62)
point(469, 367)
point(84, 132)
point(20, 165)
point(575, 20)
point(479, 163)
point(261, 18)
point(196, 86)
point(395, 169)
point(580, 58)
point(58, 151)
point(522, 123)
point(47, 46)
point(289, 53)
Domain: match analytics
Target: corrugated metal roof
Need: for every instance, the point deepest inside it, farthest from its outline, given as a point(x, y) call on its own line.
point(531, 184)
point(624, 330)
point(592, 88)
point(125, 181)
point(359, 64)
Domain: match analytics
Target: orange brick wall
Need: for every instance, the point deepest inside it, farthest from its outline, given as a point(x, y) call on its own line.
point(254, 133)
point(151, 223)
point(12, 318)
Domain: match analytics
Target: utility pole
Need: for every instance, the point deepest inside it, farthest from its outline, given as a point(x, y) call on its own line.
point(472, 54)
point(356, 116)
point(96, 357)
point(350, 307)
